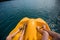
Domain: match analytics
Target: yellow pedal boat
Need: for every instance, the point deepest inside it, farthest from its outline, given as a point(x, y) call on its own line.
point(31, 32)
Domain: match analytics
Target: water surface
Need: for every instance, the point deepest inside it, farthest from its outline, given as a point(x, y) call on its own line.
point(11, 12)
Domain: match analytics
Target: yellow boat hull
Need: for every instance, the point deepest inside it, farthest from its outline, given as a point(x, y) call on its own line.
point(31, 32)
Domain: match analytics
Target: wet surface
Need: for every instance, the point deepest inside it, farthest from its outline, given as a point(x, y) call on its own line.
point(4, 0)
point(11, 12)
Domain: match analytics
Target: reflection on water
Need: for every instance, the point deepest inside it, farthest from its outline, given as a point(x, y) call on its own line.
point(11, 12)
point(4, 0)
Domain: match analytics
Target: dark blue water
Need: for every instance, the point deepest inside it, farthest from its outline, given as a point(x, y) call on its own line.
point(11, 12)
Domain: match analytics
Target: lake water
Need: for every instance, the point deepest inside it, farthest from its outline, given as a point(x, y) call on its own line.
point(11, 12)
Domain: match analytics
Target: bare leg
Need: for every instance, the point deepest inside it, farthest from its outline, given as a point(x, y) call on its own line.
point(9, 37)
point(44, 33)
point(55, 35)
point(45, 36)
point(21, 37)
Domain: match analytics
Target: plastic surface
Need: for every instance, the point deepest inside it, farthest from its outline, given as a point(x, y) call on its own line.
point(30, 32)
